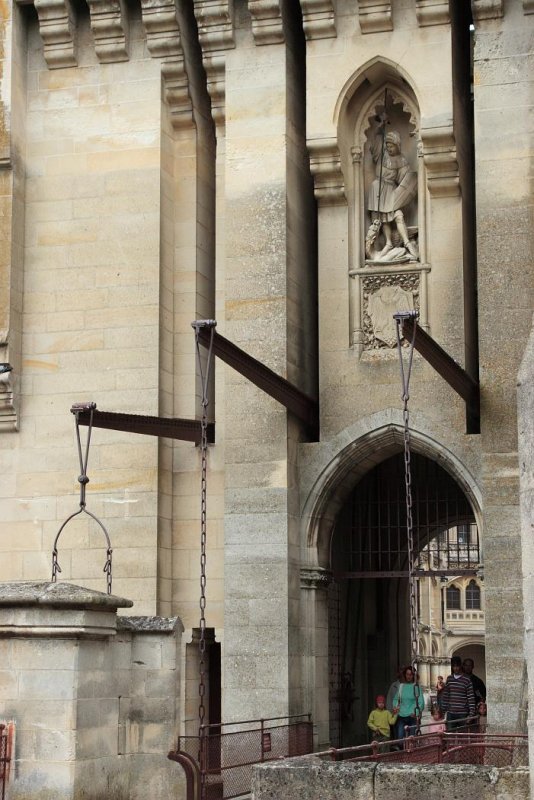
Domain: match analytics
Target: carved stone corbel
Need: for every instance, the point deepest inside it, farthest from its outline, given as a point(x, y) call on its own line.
point(216, 34)
point(439, 156)
point(110, 28)
point(528, 6)
point(318, 19)
point(164, 41)
point(267, 24)
point(375, 15)
point(176, 91)
point(315, 578)
point(487, 9)
point(432, 12)
point(325, 165)
point(57, 28)
point(161, 28)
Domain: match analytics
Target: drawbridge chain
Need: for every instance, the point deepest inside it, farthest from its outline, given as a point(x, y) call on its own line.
point(405, 372)
point(204, 373)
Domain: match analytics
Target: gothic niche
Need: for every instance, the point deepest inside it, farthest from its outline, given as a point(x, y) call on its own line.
point(390, 185)
point(390, 265)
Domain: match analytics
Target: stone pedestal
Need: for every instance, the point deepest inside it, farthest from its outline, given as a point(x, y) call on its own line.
point(87, 692)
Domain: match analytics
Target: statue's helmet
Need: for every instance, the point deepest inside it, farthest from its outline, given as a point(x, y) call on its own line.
point(394, 137)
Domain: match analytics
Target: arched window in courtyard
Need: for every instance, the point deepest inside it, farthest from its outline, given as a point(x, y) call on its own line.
point(472, 595)
point(453, 597)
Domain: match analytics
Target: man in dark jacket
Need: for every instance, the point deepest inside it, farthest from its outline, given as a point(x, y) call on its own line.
point(458, 697)
point(479, 687)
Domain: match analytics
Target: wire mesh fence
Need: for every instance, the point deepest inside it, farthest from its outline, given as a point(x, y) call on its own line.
point(225, 754)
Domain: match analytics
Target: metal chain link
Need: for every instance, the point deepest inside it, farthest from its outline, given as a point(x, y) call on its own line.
point(205, 386)
point(412, 579)
point(83, 480)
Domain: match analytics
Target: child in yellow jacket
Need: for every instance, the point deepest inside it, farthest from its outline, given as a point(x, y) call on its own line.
point(379, 720)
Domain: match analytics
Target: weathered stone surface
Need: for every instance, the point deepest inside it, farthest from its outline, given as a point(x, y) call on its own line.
point(313, 779)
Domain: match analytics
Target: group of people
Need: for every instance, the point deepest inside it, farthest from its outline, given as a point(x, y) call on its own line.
point(461, 698)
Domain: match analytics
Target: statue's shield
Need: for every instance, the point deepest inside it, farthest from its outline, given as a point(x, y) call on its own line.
point(405, 192)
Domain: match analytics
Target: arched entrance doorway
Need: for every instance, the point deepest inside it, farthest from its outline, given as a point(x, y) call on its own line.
point(368, 596)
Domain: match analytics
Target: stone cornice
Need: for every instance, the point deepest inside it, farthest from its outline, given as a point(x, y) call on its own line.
point(109, 27)
point(267, 24)
point(487, 9)
point(57, 28)
point(432, 12)
point(439, 156)
point(318, 19)
point(315, 578)
point(325, 165)
point(375, 16)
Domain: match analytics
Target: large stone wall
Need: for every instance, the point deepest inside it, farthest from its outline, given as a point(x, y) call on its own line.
point(206, 158)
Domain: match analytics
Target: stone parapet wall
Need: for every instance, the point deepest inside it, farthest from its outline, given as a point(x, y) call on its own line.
point(309, 778)
point(93, 696)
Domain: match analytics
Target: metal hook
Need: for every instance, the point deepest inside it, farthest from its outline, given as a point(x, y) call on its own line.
point(83, 480)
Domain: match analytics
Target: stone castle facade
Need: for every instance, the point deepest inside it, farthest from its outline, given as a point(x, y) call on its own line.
point(298, 171)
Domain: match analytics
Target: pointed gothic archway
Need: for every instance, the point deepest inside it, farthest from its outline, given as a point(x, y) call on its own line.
point(356, 535)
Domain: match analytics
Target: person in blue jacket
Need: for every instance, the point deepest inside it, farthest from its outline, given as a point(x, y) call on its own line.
point(408, 704)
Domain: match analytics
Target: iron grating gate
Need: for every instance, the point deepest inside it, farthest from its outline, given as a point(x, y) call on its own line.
point(5, 759)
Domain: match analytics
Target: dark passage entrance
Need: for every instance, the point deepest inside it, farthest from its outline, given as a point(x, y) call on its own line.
point(368, 604)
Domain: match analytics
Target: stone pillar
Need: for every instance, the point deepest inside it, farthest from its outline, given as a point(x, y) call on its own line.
point(314, 582)
point(266, 270)
point(93, 697)
point(52, 645)
point(503, 96)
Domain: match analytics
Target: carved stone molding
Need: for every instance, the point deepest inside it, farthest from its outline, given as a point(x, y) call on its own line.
point(109, 27)
point(487, 9)
point(164, 41)
point(57, 28)
point(215, 24)
point(176, 91)
point(375, 15)
point(528, 6)
point(439, 156)
point(267, 26)
point(8, 410)
point(382, 296)
point(325, 165)
point(161, 28)
point(216, 34)
point(318, 19)
point(432, 12)
point(315, 578)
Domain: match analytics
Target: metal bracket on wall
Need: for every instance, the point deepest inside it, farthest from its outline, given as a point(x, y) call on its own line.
point(188, 430)
point(300, 404)
point(462, 383)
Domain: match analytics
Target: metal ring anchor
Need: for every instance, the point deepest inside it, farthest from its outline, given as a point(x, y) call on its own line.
point(83, 480)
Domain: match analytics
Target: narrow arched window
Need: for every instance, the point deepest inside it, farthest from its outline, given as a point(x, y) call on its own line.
point(453, 597)
point(472, 595)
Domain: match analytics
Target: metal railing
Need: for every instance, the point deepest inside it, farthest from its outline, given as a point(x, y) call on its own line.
point(227, 753)
point(5, 759)
point(458, 747)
